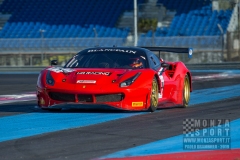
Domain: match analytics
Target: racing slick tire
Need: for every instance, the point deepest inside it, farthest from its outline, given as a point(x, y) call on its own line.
point(154, 96)
point(186, 91)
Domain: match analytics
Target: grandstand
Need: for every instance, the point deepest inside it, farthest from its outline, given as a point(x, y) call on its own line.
point(98, 18)
point(197, 19)
point(63, 19)
point(193, 19)
point(41, 26)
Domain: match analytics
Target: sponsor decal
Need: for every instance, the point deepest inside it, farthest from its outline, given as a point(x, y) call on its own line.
point(137, 104)
point(86, 81)
point(111, 50)
point(96, 73)
point(160, 72)
point(59, 70)
point(190, 52)
point(206, 134)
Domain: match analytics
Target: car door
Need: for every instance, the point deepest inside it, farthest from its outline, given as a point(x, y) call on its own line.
point(155, 64)
point(166, 85)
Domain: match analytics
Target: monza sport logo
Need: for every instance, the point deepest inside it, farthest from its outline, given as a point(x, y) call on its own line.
point(206, 134)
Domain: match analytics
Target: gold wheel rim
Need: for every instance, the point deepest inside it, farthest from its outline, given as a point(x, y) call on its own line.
point(154, 94)
point(186, 90)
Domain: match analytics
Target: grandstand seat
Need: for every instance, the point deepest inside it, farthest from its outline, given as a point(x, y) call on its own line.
point(63, 15)
point(200, 16)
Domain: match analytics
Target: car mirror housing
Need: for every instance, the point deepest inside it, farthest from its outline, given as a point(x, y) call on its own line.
point(54, 62)
point(165, 65)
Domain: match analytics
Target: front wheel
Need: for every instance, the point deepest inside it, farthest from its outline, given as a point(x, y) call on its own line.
point(186, 91)
point(154, 96)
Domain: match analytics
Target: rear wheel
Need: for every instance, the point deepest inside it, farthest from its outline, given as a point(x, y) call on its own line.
point(186, 91)
point(154, 96)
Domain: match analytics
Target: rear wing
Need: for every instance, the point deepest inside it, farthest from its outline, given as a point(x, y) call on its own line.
point(189, 51)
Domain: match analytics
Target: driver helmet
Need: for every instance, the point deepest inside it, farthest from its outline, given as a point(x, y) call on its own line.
point(136, 63)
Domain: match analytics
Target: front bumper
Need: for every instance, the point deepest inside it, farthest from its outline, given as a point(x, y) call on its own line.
point(70, 105)
point(124, 99)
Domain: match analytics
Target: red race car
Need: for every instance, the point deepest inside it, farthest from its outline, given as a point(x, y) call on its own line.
point(126, 78)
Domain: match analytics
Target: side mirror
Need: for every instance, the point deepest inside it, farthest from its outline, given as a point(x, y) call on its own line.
point(54, 62)
point(165, 65)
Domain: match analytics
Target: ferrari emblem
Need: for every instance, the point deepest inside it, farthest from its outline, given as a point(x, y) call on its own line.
point(84, 86)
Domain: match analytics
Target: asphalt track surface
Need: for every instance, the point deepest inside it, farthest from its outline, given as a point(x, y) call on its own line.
point(98, 139)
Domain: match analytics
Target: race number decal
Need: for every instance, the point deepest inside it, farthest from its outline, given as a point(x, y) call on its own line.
point(160, 72)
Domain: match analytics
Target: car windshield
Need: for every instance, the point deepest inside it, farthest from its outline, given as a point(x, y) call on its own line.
point(107, 60)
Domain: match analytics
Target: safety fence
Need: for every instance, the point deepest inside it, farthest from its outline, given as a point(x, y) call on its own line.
point(56, 45)
point(36, 45)
point(40, 51)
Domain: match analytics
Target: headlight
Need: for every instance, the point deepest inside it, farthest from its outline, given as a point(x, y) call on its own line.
point(129, 81)
point(49, 79)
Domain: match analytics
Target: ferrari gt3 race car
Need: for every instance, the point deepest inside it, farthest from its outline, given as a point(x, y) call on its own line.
point(125, 78)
